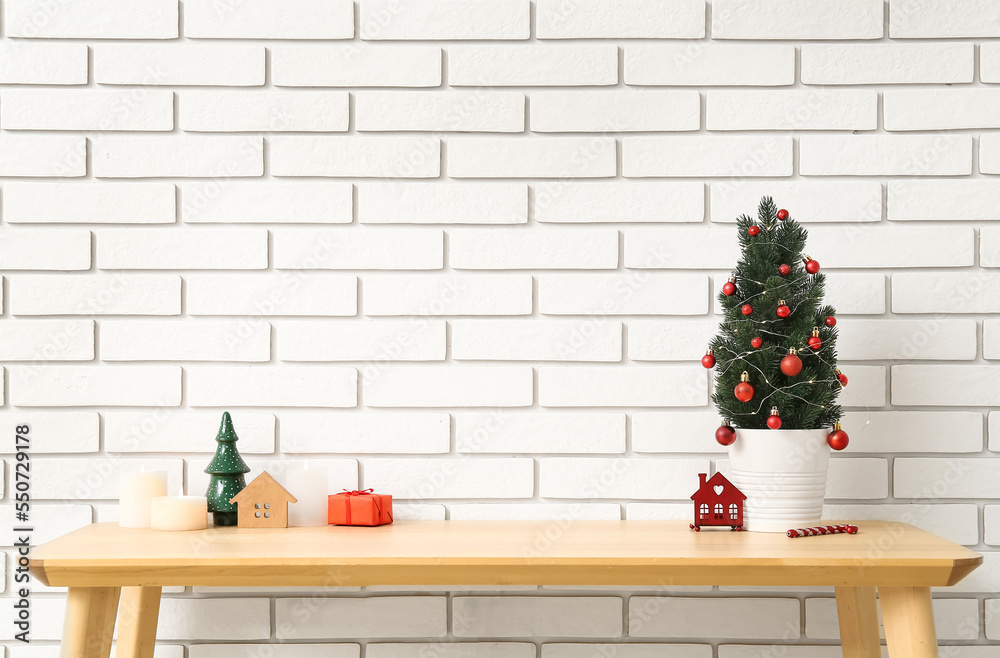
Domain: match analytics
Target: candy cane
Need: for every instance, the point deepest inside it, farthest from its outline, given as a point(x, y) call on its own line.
point(823, 530)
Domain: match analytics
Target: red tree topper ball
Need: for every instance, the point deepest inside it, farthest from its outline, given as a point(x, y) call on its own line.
point(814, 341)
point(783, 311)
point(753, 230)
point(812, 266)
point(747, 309)
point(756, 342)
point(728, 288)
point(774, 420)
point(708, 360)
point(784, 270)
point(744, 390)
point(791, 364)
point(830, 321)
point(782, 214)
point(725, 435)
point(837, 439)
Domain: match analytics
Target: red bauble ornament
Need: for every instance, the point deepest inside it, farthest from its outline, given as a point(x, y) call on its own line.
point(747, 309)
point(782, 214)
point(774, 420)
point(756, 341)
point(814, 340)
point(842, 378)
point(837, 439)
point(725, 435)
point(783, 311)
point(830, 321)
point(728, 288)
point(753, 230)
point(791, 364)
point(708, 360)
point(744, 390)
point(784, 270)
point(812, 266)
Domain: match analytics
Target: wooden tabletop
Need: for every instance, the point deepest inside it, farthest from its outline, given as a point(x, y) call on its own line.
point(651, 553)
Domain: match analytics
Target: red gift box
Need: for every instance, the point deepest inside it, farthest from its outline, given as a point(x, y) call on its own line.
point(359, 508)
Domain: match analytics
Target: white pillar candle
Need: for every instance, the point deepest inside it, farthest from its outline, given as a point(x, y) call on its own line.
point(309, 486)
point(135, 492)
point(179, 513)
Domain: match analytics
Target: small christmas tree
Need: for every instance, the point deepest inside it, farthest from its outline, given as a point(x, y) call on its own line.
point(227, 469)
point(775, 352)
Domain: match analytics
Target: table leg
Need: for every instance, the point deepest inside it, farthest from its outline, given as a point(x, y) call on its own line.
point(858, 617)
point(90, 622)
point(909, 622)
point(140, 609)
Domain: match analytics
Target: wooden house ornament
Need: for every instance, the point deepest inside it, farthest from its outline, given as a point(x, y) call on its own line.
point(717, 503)
point(263, 503)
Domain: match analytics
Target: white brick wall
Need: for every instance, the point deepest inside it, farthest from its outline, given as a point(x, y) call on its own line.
point(210, 64)
point(543, 340)
point(709, 64)
point(197, 249)
point(707, 156)
point(45, 249)
point(466, 252)
point(885, 155)
point(186, 155)
point(380, 617)
point(989, 154)
point(88, 203)
point(887, 63)
point(372, 66)
point(596, 111)
point(792, 19)
point(686, 617)
point(373, 249)
point(513, 616)
point(535, 65)
point(989, 58)
point(829, 109)
point(369, 157)
point(238, 202)
point(683, 19)
point(542, 157)
point(194, 340)
point(29, 62)
point(44, 156)
point(115, 19)
point(112, 110)
point(428, 203)
point(459, 111)
point(270, 19)
point(241, 111)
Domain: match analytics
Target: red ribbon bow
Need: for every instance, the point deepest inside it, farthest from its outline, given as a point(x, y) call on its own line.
point(358, 493)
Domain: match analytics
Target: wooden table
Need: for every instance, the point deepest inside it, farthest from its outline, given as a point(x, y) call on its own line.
point(102, 563)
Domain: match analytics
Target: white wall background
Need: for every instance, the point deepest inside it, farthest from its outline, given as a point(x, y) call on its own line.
point(465, 252)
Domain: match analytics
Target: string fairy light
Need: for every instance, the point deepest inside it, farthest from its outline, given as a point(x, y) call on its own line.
point(801, 290)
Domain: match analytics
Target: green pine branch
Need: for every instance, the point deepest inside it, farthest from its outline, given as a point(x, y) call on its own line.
point(809, 399)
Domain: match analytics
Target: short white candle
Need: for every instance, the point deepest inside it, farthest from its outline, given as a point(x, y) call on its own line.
point(135, 492)
point(309, 486)
point(179, 513)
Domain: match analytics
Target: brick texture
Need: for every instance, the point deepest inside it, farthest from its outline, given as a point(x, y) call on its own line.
point(467, 252)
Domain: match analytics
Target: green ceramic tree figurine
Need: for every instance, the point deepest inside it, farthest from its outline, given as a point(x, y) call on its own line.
point(227, 469)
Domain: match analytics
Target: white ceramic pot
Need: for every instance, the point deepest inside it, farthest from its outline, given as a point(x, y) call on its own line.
point(783, 475)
